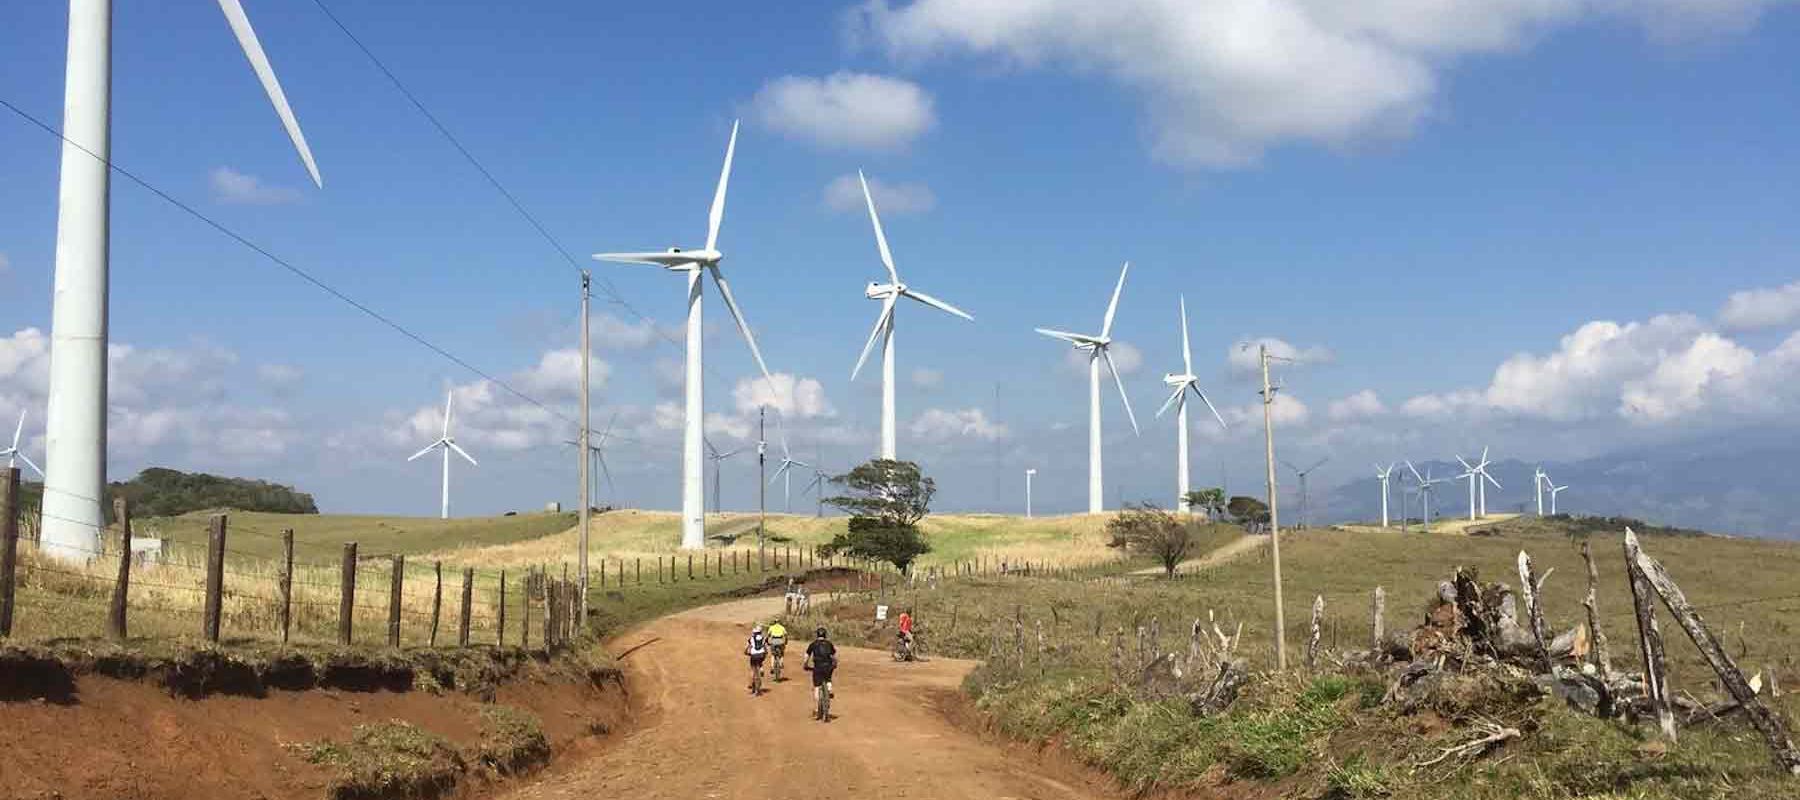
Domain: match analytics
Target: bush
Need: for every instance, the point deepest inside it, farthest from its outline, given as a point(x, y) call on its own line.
point(1152, 531)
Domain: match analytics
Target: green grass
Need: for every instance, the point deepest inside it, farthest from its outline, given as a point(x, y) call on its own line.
point(388, 759)
point(322, 536)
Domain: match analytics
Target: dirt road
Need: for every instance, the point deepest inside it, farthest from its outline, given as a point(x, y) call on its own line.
point(1237, 547)
point(701, 735)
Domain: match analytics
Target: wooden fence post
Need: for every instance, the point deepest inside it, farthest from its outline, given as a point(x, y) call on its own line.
point(1380, 632)
point(347, 593)
point(1312, 645)
point(549, 619)
point(500, 612)
point(1530, 585)
point(1773, 730)
point(690, 566)
point(525, 613)
point(115, 621)
point(659, 577)
point(9, 544)
point(734, 562)
point(468, 600)
point(1597, 655)
point(640, 570)
point(1650, 643)
point(285, 588)
point(437, 599)
point(215, 577)
point(395, 588)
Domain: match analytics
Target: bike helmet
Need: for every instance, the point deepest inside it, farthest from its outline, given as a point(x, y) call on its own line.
point(756, 628)
point(820, 632)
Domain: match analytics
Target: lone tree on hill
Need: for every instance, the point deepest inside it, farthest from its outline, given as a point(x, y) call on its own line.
point(1248, 510)
point(1151, 530)
point(1210, 501)
point(885, 498)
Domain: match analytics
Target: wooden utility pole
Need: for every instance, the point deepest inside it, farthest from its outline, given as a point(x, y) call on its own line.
point(1268, 396)
point(586, 455)
point(9, 544)
point(762, 489)
point(115, 621)
point(286, 585)
point(347, 593)
point(215, 577)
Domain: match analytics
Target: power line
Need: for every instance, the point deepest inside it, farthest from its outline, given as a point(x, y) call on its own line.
point(283, 263)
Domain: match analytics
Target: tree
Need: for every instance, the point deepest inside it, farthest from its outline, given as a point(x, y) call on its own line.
point(886, 500)
point(1151, 530)
point(1248, 510)
point(895, 492)
point(1211, 501)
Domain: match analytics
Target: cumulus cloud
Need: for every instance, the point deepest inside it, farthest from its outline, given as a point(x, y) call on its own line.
point(1245, 358)
point(1762, 308)
point(557, 376)
point(1360, 405)
point(844, 194)
point(279, 376)
point(794, 398)
point(1286, 410)
point(941, 425)
point(1222, 81)
point(1126, 358)
point(239, 189)
point(846, 110)
point(927, 379)
point(611, 332)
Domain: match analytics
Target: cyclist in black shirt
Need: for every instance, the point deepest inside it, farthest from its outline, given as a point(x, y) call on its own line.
point(821, 658)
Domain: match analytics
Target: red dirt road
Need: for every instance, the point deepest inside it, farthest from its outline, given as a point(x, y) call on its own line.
point(700, 735)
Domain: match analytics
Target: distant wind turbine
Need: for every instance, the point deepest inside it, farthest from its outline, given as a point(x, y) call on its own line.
point(1538, 479)
point(889, 294)
point(1305, 508)
point(784, 473)
point(817, 487)
point(1382, 475)
point(446, 444)
point(14, 452)
point(75, 428)
point(693, 263)
point(1425, 482)
point(1479, 478)
point(1098, 348)
point(1554, 491)
point(597, 454)
point(717, 458)
point(1184, 383)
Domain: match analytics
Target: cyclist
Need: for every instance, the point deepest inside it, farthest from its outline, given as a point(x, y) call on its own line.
point(757, 649)
point(777, 645)
point(906, 631)
point(821, 658)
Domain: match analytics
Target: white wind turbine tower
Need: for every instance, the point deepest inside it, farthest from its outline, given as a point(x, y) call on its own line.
point(447, 443)
point(1538, 479)
point(1478, 484)
point(693, 263)
point(1469, 474)
point(597, 455)
point(1183, 383)
point(75, 430)
point(1383, 475)
point(784, 473)
point(1098, 347)
point(889, 294)
point(1305, 500)
point(14, 454)
point(1425, 492)
point(1554, 491)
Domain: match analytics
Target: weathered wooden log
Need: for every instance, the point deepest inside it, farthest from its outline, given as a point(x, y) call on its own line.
point(1312, 644)
point(1773, 729)
point(1534, 612)
point(1379, 634)
point(1598, 653)
point(1650, 643)
point(1222, 691)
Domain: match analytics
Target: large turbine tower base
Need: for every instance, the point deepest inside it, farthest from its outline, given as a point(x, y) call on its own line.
point(1096, 477)
point(693, 477)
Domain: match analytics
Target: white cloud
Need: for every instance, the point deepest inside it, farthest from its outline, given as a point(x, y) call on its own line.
point(844, 194)
point(1244, 357)
point(1286, 410)
point(793, 397)
point(927, 379)
point(610, 332)
point(846, 110)
point(1762, 308)
point(949, 425)
point(1222, 81)
point(236, 188)
point(1126, 358)
point(279, 376)
point(669, 376)
point(557, 376)
point(5, 264)
point(1360, 405)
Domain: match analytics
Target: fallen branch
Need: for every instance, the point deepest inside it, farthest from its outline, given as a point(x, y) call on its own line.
point(1489, 736)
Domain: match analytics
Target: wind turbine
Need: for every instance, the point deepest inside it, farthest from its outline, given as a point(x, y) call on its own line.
point(1305, 508)
point(1098, 348)
point(1478, 481)
point(14, 452)
point(1473, 478)
point(693, 263)
point(75, 429)
point(446, 444)
point(784, 474)
point(717, 458)
point(597, 453)
point(1425, 491)
point(889, 294)
point(1183, 383)
point(1538, 479)
point(817, 487)
point(1554, 491)
point(1382, 475)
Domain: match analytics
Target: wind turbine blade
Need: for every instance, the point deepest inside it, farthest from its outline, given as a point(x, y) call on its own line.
point(1320, 463)
point(33, 464)
point(461, 452)
point(428, 448)
point(777, 476)
point(449, 397)
point(881, 320)
point(654, 259)
point(1289, 465)
point(707, 440)
point(1187, 353)
point(1490, 479)
point(1209, 406)
point(718, 205)
point(607, 433)
point(19, 431)
point(1179, 390)
point(743, 327)
point(937, 304)
point(887, 258)
point(798, 463)
point(1113, 307)
point(259, 61)
point(1415, 471)
point(1120, 382)
point(1466, 465)
point(605, 471)
point(1072, 338)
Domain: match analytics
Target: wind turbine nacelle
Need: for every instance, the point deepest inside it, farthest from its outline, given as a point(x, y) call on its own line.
point(882, 291)
point(1172, 379)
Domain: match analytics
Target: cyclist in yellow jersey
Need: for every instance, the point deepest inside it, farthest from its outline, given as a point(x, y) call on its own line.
point(777, 645)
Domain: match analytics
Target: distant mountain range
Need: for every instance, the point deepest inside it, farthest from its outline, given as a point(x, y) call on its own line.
point(1736, 485)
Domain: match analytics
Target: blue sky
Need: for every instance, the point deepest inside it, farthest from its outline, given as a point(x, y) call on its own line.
point(1421, 197)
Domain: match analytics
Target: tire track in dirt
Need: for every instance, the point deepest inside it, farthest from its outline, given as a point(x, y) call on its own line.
point(701, 735)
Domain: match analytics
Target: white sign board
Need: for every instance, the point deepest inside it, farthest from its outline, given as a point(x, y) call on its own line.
point(881, 613)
